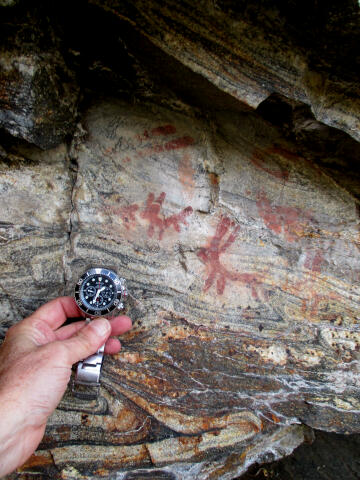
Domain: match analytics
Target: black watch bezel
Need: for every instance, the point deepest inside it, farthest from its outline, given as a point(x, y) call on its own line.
point(120, 291)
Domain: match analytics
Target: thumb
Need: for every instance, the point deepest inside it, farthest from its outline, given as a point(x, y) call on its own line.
point(88, 340)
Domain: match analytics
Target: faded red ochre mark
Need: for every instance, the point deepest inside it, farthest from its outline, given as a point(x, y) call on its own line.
point(127, 214)
point(214, 179)
point(154, 132)
point(181, 142)
point(163, 130)
point(314, 261)
point(328, 307)
point(258, 157)
point(157, 140)
point(177, 219)
point(315, 305)
point(280, 219)
point(186, 174)
point(108, 151)
point(151, 213)
point(211, 257)
point(175, 144)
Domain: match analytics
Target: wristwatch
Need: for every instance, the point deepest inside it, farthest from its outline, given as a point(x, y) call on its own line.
point(99, 292)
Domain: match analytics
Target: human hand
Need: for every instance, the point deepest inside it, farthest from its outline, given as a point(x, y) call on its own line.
point(35, 368)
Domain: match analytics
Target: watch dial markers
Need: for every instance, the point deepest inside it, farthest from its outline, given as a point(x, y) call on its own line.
point(97, 292)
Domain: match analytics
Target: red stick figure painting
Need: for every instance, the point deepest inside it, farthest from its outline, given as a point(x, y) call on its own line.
point(225, 235)
point(151, 213)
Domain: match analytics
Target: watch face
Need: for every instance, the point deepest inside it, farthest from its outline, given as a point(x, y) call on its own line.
point(99, 291)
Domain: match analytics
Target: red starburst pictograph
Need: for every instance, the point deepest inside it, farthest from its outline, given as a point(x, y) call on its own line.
point(225, 235)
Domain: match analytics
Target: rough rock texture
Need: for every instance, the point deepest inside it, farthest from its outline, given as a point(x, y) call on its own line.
point(241, 258)
point(35, 193)
point(237, 230)
point(307, 52)
point(329, 456)
point(38, 92)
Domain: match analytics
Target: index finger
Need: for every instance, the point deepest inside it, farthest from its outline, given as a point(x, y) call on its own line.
point(57, 311)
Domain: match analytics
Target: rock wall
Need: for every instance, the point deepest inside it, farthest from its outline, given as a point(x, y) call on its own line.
point(237, 231)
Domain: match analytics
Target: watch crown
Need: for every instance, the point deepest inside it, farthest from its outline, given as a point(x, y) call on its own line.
point(120, 306)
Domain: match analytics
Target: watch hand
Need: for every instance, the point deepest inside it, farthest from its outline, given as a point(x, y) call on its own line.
point(98, 292)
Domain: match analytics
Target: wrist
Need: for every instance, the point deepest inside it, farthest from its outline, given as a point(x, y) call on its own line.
point(10, 430)
point(18, 438)
point(10, 413)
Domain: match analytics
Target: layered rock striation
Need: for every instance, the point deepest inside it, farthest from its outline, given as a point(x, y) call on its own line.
point(238, 233)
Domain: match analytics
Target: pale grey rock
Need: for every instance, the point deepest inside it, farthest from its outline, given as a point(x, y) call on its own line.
point(35, 193)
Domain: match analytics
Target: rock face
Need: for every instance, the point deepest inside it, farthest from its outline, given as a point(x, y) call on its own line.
point(241, 258)
point(314, 461)
point(238, 233)
point(251, 51)
point(38, 92)
point(35, 196)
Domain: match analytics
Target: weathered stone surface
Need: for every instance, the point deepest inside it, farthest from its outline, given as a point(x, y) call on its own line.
point(249, 51)
point(35, 189)
point(38, 91)
point(329, 456)
point(74, 462)
point(238, 232)
point(242, 259)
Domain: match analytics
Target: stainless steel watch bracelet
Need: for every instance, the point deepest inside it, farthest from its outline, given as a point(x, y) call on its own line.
point(87, 378)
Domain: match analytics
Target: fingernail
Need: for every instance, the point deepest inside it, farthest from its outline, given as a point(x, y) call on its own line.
point(101, 326)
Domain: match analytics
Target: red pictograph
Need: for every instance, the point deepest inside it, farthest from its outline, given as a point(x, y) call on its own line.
point(163, 130)
point(314, 260)
point(318, 306)
point(154, 143)
point(128, 214)
point(225, 235)
point(176, 144)
point(287, 221)
point(152, 213)
point(157, 131)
